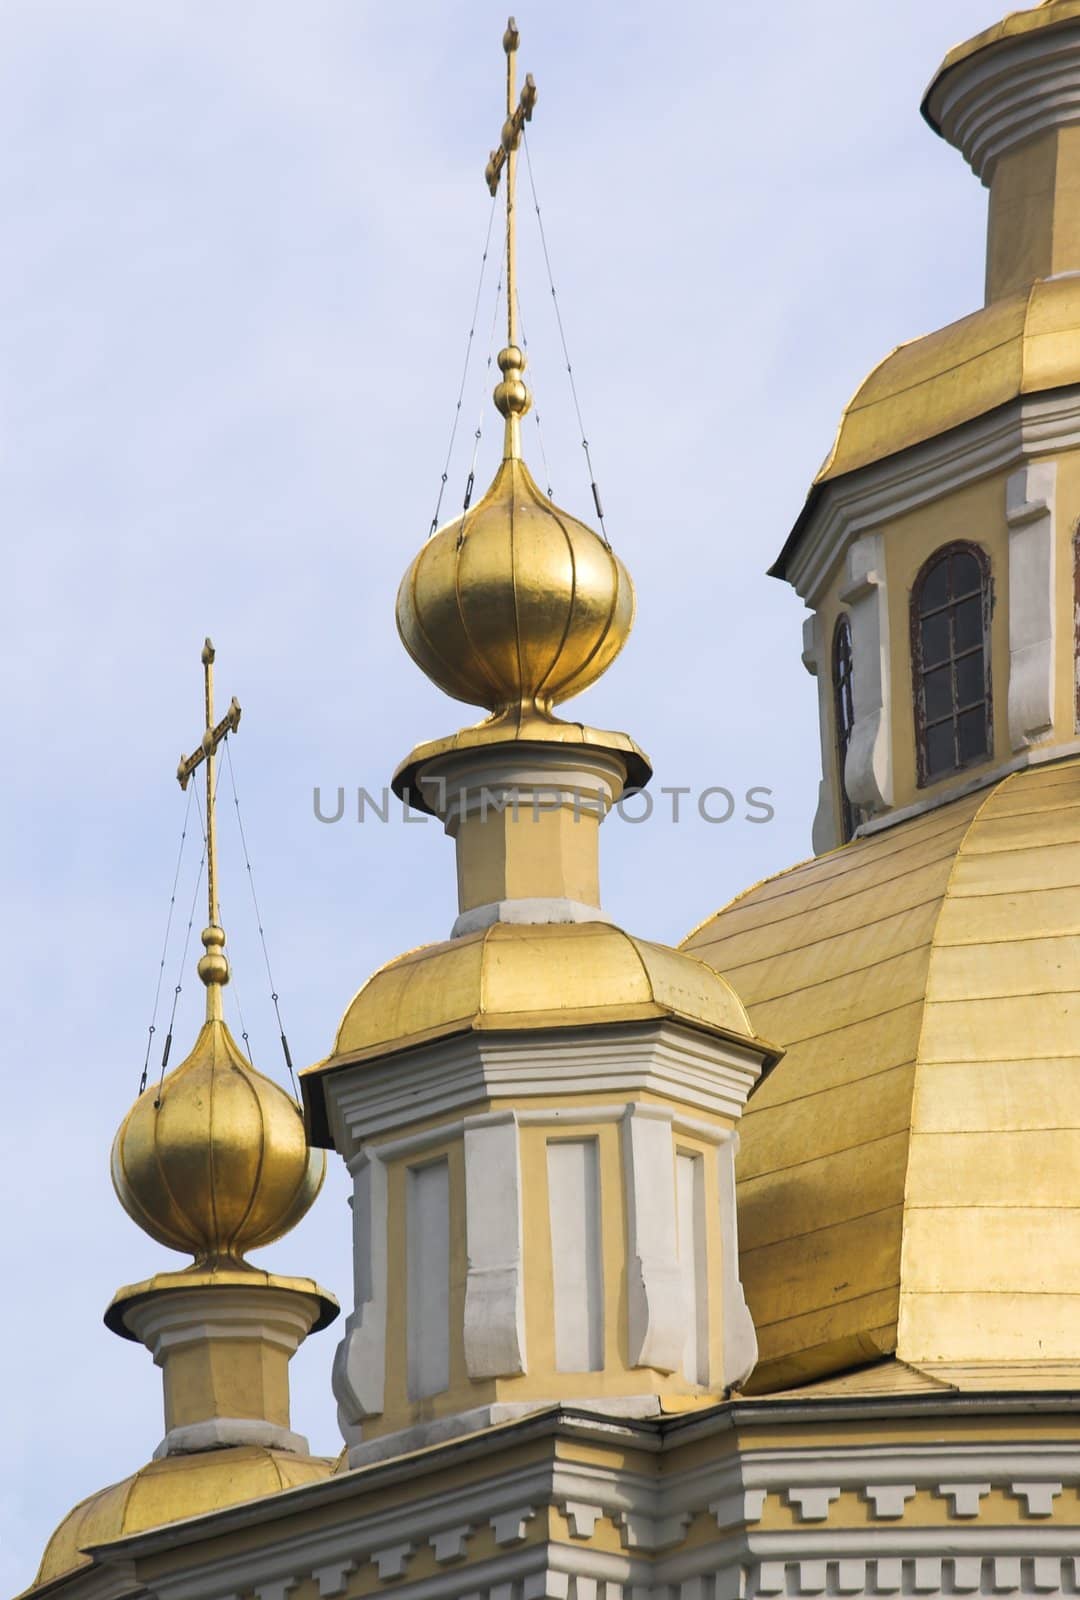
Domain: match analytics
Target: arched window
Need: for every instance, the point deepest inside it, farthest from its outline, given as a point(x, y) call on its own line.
point(950, 654)
point(844, 713)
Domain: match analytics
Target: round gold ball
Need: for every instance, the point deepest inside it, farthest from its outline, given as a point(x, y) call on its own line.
point(516, 606)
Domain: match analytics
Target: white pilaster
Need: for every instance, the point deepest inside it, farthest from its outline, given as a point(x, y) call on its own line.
point(494, 1286)
point(868, 774)
point(656, 1302)
point(823, 834)
point(739, 1333)
point(359, 1373)
point(1029, 511)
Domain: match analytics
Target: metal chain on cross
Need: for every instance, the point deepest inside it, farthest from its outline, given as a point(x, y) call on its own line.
point(179, 986)
point(164, 950)
point(274, 996)
point(562, 340)
point(464, 372)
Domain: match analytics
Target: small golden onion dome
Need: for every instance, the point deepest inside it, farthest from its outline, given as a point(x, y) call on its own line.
point(216, 1162)
point(517, 976)
point(171, 1489)
point(515, 605)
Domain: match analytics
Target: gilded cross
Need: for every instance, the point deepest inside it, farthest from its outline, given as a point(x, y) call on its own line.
point(212, 737)
point(505, 155)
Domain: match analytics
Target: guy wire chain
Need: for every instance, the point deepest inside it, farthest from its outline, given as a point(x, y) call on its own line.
point(562, 337)
point(259, 922)
point(535, 407)
point(183, 967)
point(465, 370)
point(165, 943)
point(479, 433)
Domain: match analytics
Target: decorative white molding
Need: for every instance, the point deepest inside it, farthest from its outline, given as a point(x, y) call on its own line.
point(554, 908)
point(494, 1285)
point(581, 1518)
point(1029, 512)
point(870, 498)
point(279, 1589)
point(812, 1502)
point(816, 659)
point(510, 1527)
point(1038, 1498)
point(656, 1309)
point(964, 1497)
point(451, 1544)
point(868, 769)
point(218, 1431)
point(889, 1499)
point(998, 98)
point(333, 1579)
point(359, 1371)
point(376, 1099)
point(392, 1561)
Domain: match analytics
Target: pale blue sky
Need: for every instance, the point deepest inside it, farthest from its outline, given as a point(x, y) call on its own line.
point(240, 247)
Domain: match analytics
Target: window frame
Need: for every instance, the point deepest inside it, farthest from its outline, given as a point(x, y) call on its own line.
point(849, 816)
point(945, 552)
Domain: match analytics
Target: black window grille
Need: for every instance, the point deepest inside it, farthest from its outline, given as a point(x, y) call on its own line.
point(950, 651)
point(844, 711)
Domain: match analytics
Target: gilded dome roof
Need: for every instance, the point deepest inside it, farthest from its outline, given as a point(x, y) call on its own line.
point(216, 1162)
point(171, 1489)
point(1024, 344)
point(516, 605)
point(921, 1131)
point(544, 975)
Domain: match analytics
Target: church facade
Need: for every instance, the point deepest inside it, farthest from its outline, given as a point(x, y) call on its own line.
point(745, 1268)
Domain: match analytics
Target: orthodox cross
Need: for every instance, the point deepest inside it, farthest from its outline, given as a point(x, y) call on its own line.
point(506, 155)
point(206, 751)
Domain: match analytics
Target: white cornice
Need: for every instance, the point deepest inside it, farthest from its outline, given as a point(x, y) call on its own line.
point(452, 1075)
point(999, 97)
point(865, 500)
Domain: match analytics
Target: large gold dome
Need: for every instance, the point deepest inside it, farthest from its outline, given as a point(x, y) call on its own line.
point(516, 605)
point(908, 1173)
point(217, 1162)
point(171, 1489)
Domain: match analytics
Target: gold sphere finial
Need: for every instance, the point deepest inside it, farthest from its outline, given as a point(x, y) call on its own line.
point(214, 965)
point(512, 397)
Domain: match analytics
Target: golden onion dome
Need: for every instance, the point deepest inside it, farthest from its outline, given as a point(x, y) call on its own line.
point(170, 1489)
point(515, 605)
point(512, 976)
point(216, 1161)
